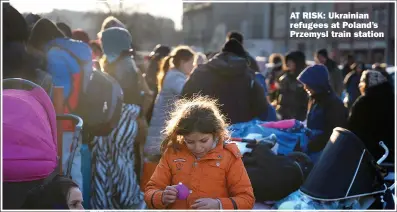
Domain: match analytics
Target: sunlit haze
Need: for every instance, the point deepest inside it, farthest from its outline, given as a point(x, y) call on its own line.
point(165, 8)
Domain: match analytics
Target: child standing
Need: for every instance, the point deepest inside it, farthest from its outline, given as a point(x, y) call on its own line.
point(195, 154)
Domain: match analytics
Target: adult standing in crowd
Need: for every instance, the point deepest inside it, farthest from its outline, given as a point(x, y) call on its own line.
point(352, 80)
point(61, 53)
point(372, 115)
point(381, 67)
point(240, 38)
point(326, 110)
point(114, 180)
point(228, 78)
point(174, 71)
point(335, 75)
point(156, 56)
point(292, 98)
point(276, 71)
point(347, 67)
point(17, 61)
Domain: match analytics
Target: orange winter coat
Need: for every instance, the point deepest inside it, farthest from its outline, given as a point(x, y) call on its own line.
point(220, 175)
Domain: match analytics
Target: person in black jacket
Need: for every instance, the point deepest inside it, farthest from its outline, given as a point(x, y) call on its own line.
point(227, 78)
point(335, 75)
point(326, 109)
point(17, 61)
point(239, 37)
point(347, 67)
point(292, 98)
point(351, 82)
point(372, 115)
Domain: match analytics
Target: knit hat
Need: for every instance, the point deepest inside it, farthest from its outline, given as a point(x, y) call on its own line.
point(299, 59)
point(110, 22)
point(372, 78)
point(297, 56)
point(235, 47)
point(80, 35)
point(15, 28)
point(114, 41)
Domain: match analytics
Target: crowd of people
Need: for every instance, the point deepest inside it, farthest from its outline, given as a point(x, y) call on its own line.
point(175, 114)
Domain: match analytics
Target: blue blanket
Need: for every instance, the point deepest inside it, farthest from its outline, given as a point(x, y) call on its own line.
point(287, 139)
point(299, 201)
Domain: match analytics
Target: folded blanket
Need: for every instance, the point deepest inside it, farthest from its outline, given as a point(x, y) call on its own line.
point(283, 124)
point(288, 141)
point(299, 201)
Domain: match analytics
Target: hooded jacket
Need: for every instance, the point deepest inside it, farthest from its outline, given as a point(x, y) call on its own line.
point(219, 174)
point(292, 99)
point(17, 61)
point(228, 78)
point(326, 110)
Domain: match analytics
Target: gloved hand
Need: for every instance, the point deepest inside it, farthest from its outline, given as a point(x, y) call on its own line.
point(269, 141)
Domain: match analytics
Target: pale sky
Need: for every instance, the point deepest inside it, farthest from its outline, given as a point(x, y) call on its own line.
point(172, 9)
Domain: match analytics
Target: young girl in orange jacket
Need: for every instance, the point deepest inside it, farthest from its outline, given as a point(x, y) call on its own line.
point(195, 154)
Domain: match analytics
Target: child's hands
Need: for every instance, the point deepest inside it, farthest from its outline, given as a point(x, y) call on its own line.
point(169, 195)
point(206, 203)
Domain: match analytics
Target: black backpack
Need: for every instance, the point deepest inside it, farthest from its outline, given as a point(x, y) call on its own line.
point(101, 104)
point(100, 100)
point(274, 177)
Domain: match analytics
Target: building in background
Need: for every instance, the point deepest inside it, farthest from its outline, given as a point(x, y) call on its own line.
point(266, 27)
point(280, 31)
point(370, 50)
point(206, 24)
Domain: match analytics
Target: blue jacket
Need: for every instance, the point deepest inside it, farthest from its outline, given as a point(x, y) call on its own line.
point(326, 110)
point(271, 112)
point(62, 65)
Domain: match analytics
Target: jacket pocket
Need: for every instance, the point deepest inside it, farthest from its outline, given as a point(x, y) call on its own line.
point(215, 171)
point(214, 176)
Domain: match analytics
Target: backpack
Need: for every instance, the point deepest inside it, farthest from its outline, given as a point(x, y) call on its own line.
point(274, 177)
point(99, 100)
